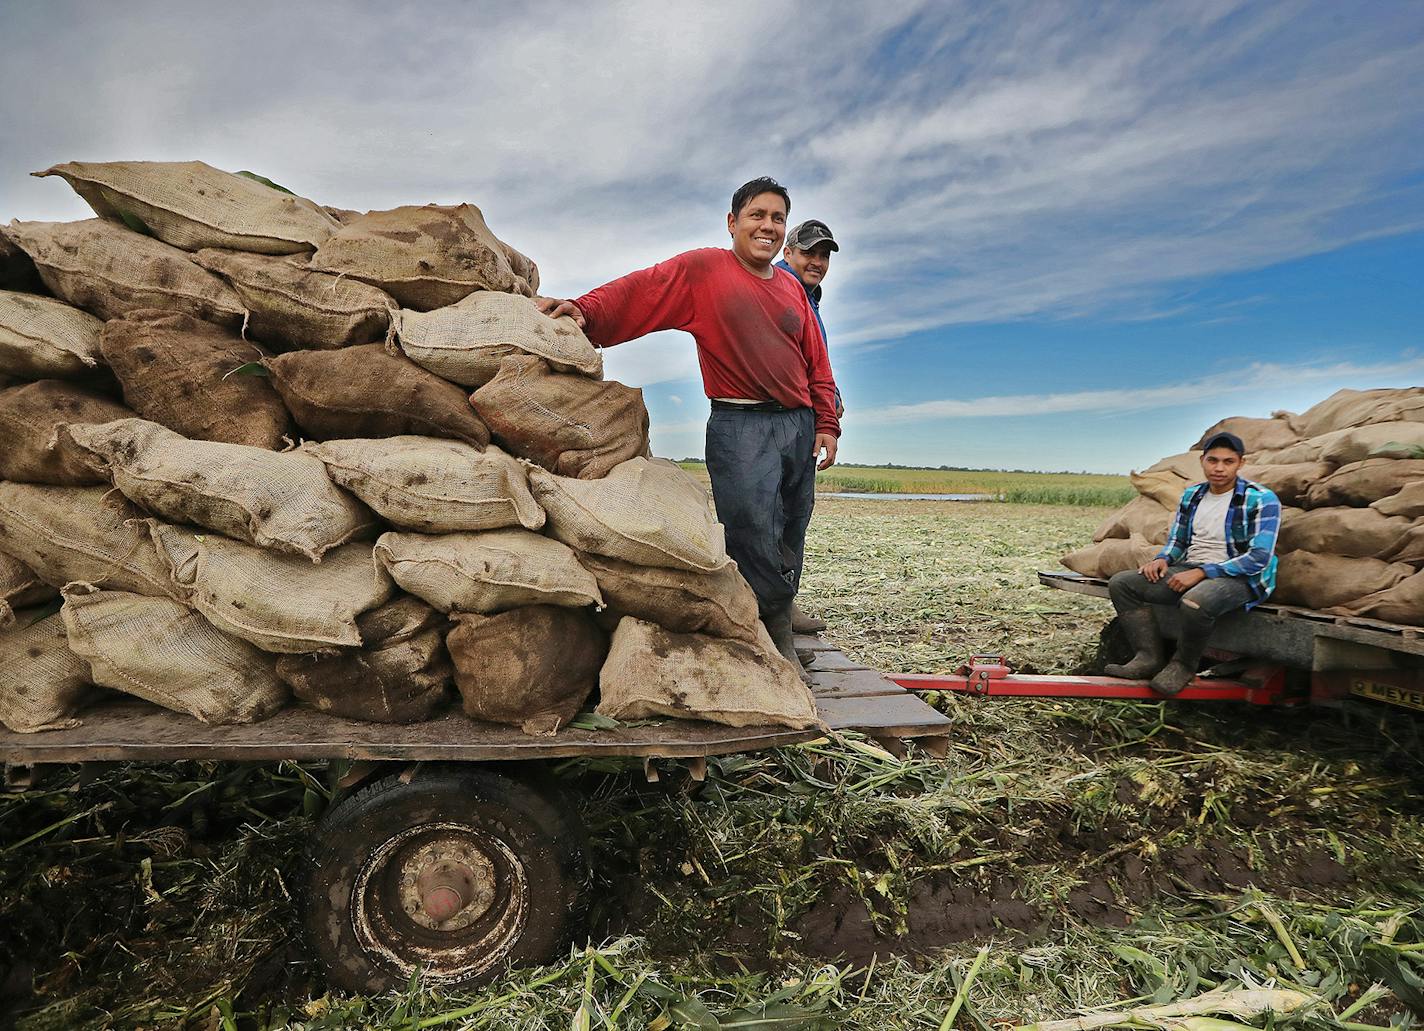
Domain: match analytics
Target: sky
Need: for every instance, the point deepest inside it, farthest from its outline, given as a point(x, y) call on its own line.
point(1072, 234)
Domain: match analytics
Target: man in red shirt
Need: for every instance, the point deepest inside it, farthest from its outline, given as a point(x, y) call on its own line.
point(765, 369)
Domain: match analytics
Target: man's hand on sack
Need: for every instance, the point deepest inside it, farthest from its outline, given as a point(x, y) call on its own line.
point(555, 309)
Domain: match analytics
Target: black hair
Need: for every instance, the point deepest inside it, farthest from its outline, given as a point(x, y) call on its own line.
point(756, 188)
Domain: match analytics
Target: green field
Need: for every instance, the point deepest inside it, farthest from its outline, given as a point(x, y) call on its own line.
point(1015, 487)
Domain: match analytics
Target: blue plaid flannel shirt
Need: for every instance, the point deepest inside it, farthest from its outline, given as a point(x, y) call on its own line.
point(1252, 521)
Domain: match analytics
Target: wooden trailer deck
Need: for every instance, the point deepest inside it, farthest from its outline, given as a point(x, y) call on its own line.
point(849, 696)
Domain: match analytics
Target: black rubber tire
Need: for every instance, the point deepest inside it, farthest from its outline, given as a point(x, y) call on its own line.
point(353, 912)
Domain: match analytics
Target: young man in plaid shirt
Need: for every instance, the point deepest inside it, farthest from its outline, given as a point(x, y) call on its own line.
point(1219, 557)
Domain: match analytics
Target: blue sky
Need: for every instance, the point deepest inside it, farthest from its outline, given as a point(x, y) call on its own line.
point(1073, 234)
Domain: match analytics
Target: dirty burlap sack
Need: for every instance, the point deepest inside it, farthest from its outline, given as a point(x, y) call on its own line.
point(431, 485)
point(1409, 501)
point(190, 205)
point(1318, 581)
point(164, 652)
point(365, 392)
point(17, 271)
point(280, 603)
point(1256, 434)
point(1111, 555)
point(1289, 483)
point(1409, 547)
point(402, 674)
point(571, 425)
point(1402, 603)
point(1163, 486)
point(530, 667)
point(20, 588)
point(110, 271)
point(1346, 408)
point(180, 372)
point(655, 672)
point(91, 534)
point(32, 448)
point(1350, 532)
point(290, 306)
point(1142, 516)
point(425, 257)
point(523, 266)
point(1360, 484)
point(487, 572)
point(283, 501)
point(1361, 442)
point(466, 342)
point(43, 684)
point(646, 511)
point(41, 338)
point(719, 604)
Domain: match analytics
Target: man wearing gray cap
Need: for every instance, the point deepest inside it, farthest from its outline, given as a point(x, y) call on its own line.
point(807, 256)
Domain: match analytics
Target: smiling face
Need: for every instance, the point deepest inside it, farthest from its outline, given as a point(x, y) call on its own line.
point(1221, 465)
point(810, 266)
point(758, 230)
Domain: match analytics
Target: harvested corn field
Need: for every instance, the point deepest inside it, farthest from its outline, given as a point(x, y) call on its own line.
point(1064, 855)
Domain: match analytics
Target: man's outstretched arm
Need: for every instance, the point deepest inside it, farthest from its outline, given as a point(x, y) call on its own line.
point(634, 305)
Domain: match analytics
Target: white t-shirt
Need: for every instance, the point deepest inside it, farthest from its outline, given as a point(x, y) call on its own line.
point(1209, 529)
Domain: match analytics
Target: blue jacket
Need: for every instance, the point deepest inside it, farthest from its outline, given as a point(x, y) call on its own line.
point(813, 294)
point(1253, 519)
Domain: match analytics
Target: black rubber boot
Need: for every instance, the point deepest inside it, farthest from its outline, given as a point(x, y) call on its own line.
point(1141, 632)
point(778, 625)
point(804, 624)
point(1182, 670)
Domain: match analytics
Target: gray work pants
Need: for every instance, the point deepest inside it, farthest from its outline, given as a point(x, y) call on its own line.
point(1200, 607)
point(763, 470)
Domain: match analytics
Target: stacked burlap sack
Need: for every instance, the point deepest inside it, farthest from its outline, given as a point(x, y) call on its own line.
point(1350, 476)
point(241, 464)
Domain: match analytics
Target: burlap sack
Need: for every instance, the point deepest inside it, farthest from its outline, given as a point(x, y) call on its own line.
point(365, 392)
point(281, 603)
point(571, 425)
point(1142, 516)
point(1410, 545)
point(290, 306)
point(164, 652)
point(655, 672)
point(1402, 603)
point(1361, 442)
point(646, 511)
point(719, 604)
point(1291, 482)
point(43, 685)
point(1162, 486)
point(20, 587)
point(32, 450)
point(110, 271)
point(402, 675)
point(1187, 465)
point(283, 501)
point(523, 267)
point(466, 342)
point(180, 372)
point(43, 338)
point(487, 572)
point(1317, 581)
point(1363, 483)
point(1256, 434)
point(66, 534)
point(17, 271)
point(1350, 532)
point(424, 257)
point(531, 667)
point(1346, 408)
point(1110, 556)
point(190, 204)
point(1408, 502)
point(431, 485)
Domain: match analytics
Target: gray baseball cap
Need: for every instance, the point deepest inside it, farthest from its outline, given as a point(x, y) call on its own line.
point(809, 233)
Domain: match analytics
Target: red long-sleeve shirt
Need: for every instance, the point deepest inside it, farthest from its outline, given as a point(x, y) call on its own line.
point(756, 338)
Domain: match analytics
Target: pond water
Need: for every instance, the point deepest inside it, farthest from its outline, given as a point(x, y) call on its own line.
point(905, 497)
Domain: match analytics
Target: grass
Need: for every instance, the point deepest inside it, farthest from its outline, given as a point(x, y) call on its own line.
point(1065, 857)
point(1082, 489)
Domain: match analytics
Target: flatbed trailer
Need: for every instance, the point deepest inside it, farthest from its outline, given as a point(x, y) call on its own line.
point(448, 847)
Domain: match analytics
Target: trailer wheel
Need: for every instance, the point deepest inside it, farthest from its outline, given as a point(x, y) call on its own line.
point(458, 872)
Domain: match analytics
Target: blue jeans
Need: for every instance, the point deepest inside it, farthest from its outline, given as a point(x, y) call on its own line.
point(763, 471)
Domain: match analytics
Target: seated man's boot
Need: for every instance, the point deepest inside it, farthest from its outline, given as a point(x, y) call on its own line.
point(1141, 633)
point(804, 624)
point(1182, 670)
point(778, 625)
